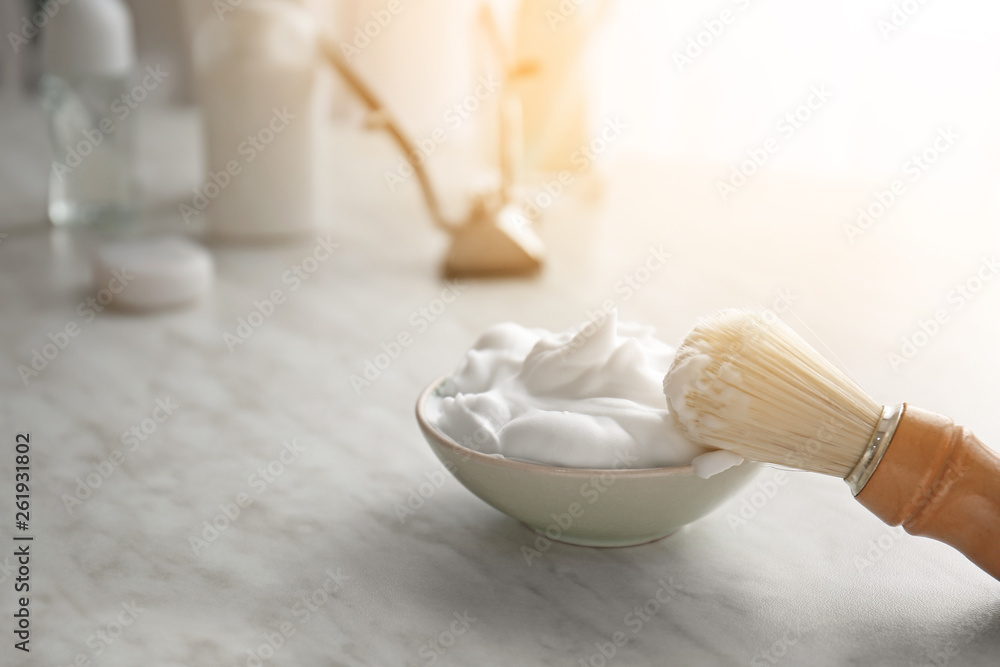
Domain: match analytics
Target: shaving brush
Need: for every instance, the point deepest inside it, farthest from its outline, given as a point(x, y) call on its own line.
point(744, 381)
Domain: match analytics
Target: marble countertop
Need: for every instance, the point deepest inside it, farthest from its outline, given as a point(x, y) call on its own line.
point(200, 505)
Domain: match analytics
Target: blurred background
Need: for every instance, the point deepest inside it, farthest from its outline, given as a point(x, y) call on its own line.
point(895, 70)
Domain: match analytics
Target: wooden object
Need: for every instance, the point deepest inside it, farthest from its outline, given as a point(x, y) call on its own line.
point(495, 239)
point(938, 480)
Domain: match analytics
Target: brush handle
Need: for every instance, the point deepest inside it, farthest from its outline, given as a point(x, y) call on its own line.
point(938, 480)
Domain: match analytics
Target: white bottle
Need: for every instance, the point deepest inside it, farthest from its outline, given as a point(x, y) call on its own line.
point(265, 95)
point(88, 56)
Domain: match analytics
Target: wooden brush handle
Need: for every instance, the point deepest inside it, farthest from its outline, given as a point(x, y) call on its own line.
point(938, 480)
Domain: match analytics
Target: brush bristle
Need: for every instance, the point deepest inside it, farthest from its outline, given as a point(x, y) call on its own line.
point(744, 381)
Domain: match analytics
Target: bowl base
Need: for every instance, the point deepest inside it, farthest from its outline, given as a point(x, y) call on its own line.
point(602, 543)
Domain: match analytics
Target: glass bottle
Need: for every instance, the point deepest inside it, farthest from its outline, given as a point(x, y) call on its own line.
point(88, 55)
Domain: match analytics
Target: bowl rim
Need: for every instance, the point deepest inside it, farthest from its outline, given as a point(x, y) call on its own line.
point(527, 466)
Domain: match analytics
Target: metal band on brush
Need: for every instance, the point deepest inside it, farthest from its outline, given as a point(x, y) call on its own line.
point(866, 465)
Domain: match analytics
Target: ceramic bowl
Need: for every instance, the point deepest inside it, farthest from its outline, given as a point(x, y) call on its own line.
point(590, 507)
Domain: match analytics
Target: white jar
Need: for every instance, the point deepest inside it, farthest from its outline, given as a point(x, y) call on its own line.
point(265, 95)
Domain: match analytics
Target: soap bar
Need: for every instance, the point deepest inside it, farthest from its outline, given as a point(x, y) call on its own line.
point(153, 273)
